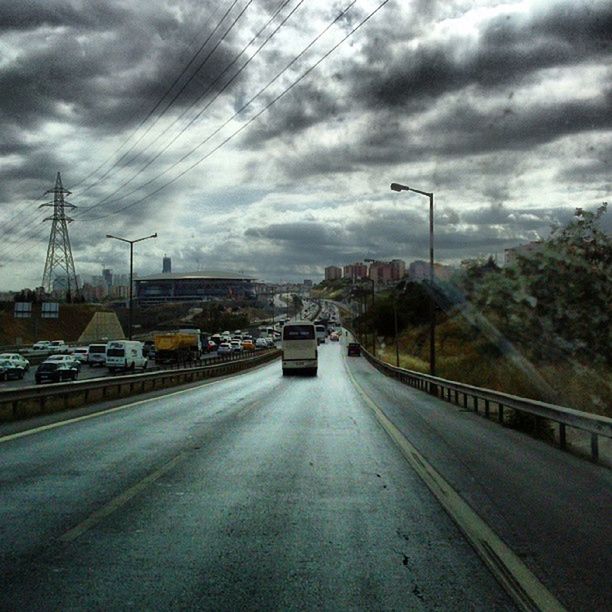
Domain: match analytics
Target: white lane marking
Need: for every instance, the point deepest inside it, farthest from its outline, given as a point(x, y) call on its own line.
point(95, 517)
point(516, 578)
point(114, 504)
point(93, 415)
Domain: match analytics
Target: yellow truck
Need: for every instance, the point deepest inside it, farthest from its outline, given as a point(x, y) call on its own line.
point(177, 347)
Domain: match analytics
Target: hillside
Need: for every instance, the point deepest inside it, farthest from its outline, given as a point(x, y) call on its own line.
point(72, 321)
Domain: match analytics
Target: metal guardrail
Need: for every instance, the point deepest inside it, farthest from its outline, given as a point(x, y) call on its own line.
point(20, 400)
point(462, 394)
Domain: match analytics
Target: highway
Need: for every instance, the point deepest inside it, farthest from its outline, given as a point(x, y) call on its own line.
point(261, 491)
point(86, 373)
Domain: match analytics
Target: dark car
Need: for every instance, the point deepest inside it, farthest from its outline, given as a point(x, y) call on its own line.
point(354, 349)
point(10, 369)
point(148, 348)
point(55, 371)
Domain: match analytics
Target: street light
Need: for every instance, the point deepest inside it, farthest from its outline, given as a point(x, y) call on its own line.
point(432, 315)
point(131, 243)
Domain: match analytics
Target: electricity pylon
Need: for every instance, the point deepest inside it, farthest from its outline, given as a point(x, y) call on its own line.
point(59, 253)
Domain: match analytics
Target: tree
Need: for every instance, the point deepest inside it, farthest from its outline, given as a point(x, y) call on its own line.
point(556, 300)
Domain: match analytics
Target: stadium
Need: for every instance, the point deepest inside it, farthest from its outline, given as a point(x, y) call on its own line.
point(193, 287)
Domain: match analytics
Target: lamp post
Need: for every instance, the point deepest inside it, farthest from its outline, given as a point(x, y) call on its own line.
point(432, 314)
point(131, 243)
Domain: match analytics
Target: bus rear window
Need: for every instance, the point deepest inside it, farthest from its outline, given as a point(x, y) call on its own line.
point(298, 332)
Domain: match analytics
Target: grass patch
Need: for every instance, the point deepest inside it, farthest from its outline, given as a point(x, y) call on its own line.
point(464, 355)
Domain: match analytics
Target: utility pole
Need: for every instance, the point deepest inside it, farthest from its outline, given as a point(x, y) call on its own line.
point(59, 252)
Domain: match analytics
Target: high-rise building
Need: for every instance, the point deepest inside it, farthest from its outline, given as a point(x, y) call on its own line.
point(107, 275)
point(333, 273)
point(166, 265)
point(356, 270)
point(398, 269)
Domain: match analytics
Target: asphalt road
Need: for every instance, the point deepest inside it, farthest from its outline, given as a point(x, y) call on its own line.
point(258, 491)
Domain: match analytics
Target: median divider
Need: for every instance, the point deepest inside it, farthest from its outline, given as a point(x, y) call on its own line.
point(495, 404)
point(31, 401)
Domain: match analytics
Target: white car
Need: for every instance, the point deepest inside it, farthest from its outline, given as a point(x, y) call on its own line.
point(58, 346)
point(41, 345)
point(236, 346)
point(16, 359)
point(68, 359)
point(224, 348)
point(81, 353)
point(261, 343)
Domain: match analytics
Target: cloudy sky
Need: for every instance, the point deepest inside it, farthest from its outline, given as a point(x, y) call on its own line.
point(261, 136)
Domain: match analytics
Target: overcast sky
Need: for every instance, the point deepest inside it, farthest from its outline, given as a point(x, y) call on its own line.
point(502, 109)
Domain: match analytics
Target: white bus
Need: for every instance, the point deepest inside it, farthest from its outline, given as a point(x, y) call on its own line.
point(300, 348)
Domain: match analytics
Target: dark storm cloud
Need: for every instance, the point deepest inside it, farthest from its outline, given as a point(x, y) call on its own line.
point(509, 50)
point(33, 14)
point(108, 67)
point(460, 130)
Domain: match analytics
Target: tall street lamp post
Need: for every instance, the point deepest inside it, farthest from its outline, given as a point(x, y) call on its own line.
point(131, 243)
point(432, 315)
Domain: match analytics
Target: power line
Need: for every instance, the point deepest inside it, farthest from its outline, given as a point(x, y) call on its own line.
point(17, 217)
point(258, 114)
point(255, 117)
point(199, 114)
point(155, 106)
point(242, 108)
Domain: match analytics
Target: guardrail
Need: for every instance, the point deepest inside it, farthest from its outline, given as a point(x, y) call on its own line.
point(476, 397)
point(32, 400)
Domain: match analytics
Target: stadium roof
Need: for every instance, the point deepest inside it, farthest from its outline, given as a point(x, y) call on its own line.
point(205, 275)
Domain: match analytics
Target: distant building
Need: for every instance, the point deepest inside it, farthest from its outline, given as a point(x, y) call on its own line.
point(510, 255)
point(381, 272)
point(193, 287)
point(333, 273)
point(356, 271)
point(307, 283)
point(107, 275)
point(166, 265)
point(398, 269)
point(120, 291)
point(93, 293)
point(419, 270)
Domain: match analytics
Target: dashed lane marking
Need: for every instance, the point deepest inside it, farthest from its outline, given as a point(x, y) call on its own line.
point(98, 515)
point(516, 578)
point(95, 517)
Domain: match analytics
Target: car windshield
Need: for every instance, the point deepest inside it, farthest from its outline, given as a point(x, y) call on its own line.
point(298, 332)
point(434, 176)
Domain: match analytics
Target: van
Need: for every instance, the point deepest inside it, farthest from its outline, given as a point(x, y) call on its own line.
point(96, 355)
point(321, 333)
point(125, 355)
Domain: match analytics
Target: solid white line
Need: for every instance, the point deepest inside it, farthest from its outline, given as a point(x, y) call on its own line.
point(516, 578)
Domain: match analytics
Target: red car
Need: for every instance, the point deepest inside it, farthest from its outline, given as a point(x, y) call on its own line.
point(354, 349)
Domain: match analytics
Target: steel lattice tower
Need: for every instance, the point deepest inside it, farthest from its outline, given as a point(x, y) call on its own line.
point(59, 253)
